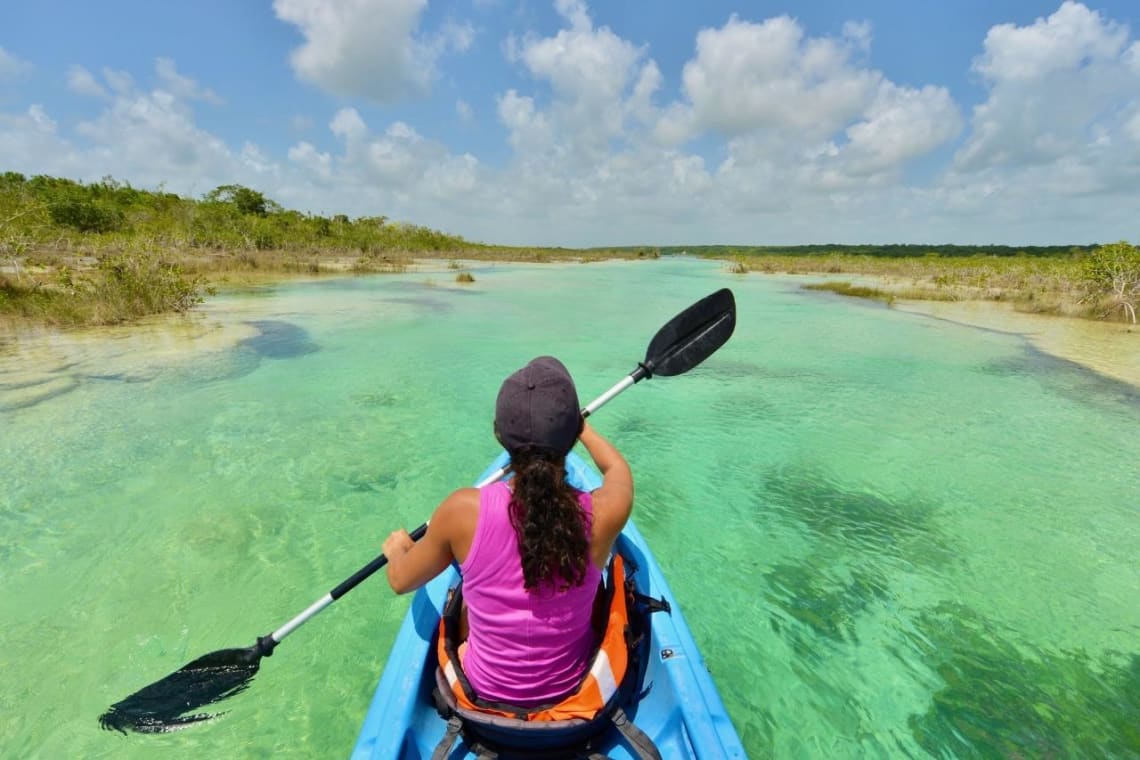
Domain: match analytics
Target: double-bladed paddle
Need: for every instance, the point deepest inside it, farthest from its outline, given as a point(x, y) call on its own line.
point(169, 704)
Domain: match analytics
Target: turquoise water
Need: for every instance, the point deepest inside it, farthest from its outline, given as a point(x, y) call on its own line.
point(893, 536)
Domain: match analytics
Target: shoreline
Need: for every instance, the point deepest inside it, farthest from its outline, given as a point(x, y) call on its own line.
point(1110, 349)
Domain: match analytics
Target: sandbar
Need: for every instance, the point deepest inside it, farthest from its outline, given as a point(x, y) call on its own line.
point(1111, 349)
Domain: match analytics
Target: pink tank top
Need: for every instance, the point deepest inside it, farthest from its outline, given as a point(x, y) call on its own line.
point(524, 648)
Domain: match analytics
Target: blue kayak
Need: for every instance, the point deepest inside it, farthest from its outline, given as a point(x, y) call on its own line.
point(679, 707)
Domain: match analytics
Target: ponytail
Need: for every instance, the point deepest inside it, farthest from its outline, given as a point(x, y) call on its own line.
point(550, 525)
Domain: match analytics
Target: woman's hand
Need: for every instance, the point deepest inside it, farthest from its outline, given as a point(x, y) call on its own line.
point(397, 543)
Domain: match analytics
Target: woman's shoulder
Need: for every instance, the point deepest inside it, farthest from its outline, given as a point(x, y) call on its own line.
point(461, 499)
point(457, 517)
point(459, 510)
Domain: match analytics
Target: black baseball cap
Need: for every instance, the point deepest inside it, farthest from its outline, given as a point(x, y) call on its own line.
point(538, 406)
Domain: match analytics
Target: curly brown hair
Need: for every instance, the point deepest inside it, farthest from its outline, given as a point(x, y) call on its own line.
point(549, 523)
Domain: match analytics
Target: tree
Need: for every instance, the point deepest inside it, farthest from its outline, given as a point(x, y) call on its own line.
point(1113, 271)
point(246, 200)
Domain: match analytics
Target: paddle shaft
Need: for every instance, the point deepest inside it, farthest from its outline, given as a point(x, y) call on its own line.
point(266, 644)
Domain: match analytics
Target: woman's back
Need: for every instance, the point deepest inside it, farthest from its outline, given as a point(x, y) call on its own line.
point(525, 646)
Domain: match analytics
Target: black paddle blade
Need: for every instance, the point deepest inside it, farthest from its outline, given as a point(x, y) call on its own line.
point(169, 704)
point(693, 335)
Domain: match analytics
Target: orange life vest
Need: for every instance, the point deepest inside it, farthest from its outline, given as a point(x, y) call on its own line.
point(598, 685)
point(575, 725)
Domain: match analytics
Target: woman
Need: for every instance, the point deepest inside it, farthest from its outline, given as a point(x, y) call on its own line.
point(530, 549)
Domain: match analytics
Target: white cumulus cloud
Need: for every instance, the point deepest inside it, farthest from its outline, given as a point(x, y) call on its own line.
point(83, 82)
point(147, 137)
point(1062, 93)
point(602, 88)
point(1072, 36)
point(748, 76)
point(30, 143)
point(155, 133)
point(348, 125)
point(900, 124)
point(308, 157)
point(12, 67)
point(802, 114)
point(183, 86)
point(119, 81)
point(369, 48)
point(397, 172)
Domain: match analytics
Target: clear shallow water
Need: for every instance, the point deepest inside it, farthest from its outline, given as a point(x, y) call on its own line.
point(892, 535)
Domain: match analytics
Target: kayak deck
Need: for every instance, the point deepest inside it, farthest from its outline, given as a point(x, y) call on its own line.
point(680, 709)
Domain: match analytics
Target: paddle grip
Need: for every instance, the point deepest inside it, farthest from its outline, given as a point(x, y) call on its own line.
point(352, 581)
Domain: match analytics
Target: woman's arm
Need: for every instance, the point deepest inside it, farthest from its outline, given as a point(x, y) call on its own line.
point(412, 564)
point(613, 501)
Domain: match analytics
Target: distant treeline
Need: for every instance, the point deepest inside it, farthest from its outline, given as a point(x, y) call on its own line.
point(75, 253)
point(893, 250)
point(105, 252)
point(48, 211)
point(56, 213)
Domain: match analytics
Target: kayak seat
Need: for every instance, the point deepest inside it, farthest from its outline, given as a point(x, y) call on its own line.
point(577, 725)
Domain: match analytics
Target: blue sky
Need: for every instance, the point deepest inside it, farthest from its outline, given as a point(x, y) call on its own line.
point(560, 122)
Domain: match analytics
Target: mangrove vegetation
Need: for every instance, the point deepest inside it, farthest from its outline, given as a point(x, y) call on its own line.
point(75, 253)
point(1093, 282)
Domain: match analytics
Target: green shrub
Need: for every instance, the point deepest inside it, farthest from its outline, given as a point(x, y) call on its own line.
point(855, 291)
point(135, 285)
point(87, 215)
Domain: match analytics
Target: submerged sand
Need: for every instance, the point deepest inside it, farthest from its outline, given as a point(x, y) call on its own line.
point(1110, 349)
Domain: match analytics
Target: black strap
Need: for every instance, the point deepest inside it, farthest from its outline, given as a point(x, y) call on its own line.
point(441, 704)
point(651, 603)
point(637, 739)
point(443, 749)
